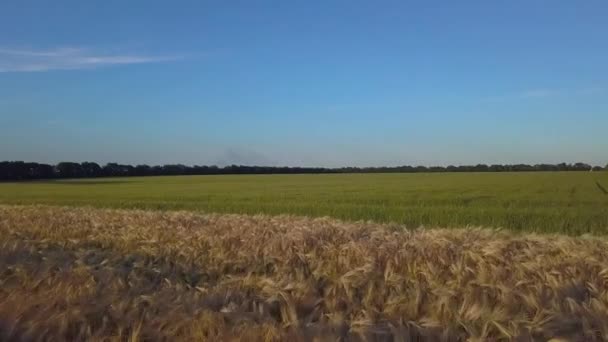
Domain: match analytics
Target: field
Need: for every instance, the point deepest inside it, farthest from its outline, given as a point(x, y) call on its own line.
point(116, 275)
point(564, 202)
point(351, 257)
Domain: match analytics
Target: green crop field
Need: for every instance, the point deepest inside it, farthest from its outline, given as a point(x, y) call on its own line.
point(563, 202)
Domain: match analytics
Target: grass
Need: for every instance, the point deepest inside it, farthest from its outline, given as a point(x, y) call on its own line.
point(116, 275)
point(563, 202)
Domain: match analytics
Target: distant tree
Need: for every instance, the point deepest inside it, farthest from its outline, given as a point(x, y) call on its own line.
point(69, 170)
point(118, 170)
point(521, 167)
point(19, 170)
point(13, 170)
point(581, 167)
point(112, 170)
point(481, 168)
point(143, 170)
point(90, 169)
point(128, 170)
point(4, 170)
point(544, 167)
point(174, 169)
point(42, 171)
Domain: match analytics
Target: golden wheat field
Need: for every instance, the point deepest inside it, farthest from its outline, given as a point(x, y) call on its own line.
point(99, 274)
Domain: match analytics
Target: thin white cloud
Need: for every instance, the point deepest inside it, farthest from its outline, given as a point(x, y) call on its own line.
point(68, 58)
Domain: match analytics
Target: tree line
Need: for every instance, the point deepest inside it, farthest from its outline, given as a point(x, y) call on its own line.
point(19, 170)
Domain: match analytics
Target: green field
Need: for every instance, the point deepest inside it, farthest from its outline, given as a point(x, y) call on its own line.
point(566, 202)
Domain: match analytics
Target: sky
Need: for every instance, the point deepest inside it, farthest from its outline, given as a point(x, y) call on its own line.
point(304, 83)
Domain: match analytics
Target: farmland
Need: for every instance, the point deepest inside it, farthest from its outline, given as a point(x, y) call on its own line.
point(116, 275)
point(353, 257)
point(561, 202)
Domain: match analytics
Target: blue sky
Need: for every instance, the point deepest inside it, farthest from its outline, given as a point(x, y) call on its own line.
point(327, 83)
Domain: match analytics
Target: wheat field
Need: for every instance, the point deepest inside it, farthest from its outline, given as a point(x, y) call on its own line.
point(114, 275)
point(572, 203)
